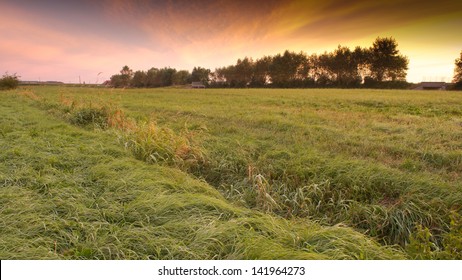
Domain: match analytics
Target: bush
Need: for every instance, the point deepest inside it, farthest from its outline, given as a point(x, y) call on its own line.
point(9, 82)
point(457, 86)
point(423, 246)
point(370, 82)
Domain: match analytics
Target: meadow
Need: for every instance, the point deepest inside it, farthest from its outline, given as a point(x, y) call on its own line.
point(176, 173)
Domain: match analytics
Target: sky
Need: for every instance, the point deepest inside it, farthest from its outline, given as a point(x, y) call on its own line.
point(90, 40)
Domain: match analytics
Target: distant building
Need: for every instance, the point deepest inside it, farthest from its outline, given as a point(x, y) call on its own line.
point(431, 86)
point(197, 85)
point(30, 83)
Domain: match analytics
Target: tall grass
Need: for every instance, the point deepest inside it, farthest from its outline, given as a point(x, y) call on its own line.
point(155, 144)
point(382, 162)
point(146, 140)
point(73, 193)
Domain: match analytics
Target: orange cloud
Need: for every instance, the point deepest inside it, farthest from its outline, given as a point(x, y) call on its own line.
point(214, 33)
point(238, 28)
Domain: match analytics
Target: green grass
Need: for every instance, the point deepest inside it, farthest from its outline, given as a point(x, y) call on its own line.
point(68, 192)
point(383, 162)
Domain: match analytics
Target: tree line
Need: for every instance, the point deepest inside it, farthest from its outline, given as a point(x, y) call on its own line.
point(379, 66)
point(156, 77)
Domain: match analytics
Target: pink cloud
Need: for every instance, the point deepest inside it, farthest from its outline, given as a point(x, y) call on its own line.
point(209, 33)
point(33, 50)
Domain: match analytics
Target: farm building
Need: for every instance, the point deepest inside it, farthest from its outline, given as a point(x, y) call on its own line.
point(431, 86)
point(197, 85)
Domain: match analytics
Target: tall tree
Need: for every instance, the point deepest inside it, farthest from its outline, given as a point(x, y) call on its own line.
point(182, 77)
point(200, 74)
point(226, 76)
point(386, 63)
point(288, 69)
point(458, 72)
point(126, 71)
point(261, 71)
point(153, 78)
point(219, 78)
point(244, 70)
point(340, 67)
point(166, 76)
point(124, 79)
point(361, 57)
point(321, 70)
point(139, 79)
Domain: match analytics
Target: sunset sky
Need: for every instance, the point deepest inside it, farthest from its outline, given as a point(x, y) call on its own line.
point(62, 40)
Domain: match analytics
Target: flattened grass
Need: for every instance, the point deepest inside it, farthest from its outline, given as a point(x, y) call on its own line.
point(381, 161)
point(71, 193)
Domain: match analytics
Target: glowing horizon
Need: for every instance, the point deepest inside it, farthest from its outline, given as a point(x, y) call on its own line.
point(65, 40)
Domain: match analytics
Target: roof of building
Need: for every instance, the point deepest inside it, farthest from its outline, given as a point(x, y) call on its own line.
point(431, 85)
point(197, 85)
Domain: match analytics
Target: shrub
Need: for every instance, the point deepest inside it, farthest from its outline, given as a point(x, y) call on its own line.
point(422, 245)
point(452, 241)
point(9, 81)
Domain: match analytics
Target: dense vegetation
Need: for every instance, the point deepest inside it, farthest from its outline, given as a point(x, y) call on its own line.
point(386, 163)
point(9, 82)
point(380, 66)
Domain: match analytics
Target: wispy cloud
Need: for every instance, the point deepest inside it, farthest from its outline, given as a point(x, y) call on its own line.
point(71, 37)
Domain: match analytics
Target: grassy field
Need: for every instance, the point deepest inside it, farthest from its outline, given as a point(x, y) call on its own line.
point(267, 173)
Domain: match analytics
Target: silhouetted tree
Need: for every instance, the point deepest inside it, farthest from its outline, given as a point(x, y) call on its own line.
point(379, 66)
point(126, 71)
point(261, 71)
point(457, 79)
point(288, 69)
point(385, 61)
point(218, 78)
point(122, 80)
point(139, 79)
point(226, 76)
point(200, 74)
point(166, 76)
point(361, 57)
point(153, 78)
point(346, 68)
point(239, 75)
point(339, 68)
point(244, 70)
point(182, 77)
